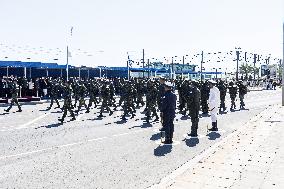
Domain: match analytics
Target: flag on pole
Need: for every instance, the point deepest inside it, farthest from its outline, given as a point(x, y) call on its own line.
point(72, 30)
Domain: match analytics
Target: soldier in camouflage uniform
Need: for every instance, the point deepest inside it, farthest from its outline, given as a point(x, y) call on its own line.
point(233, 90)
point(67, 106)
point(14, 89)
point(106, 100)
point(54, 94)
point(182, 91)
point(223, 90)
point(151, 101)
point(93, 91)
point(194, 107)
point(82, 92)
point(140, 93)
point(205, 90)
point(161, 92)
point(242, 93)
point(128, 105)
point(75, 88)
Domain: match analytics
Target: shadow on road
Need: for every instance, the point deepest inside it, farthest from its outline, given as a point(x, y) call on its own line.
point(213, 135)
point(143, 126)
point(50, 126)
point(191, 142)
point(45, 110)
point(155, 136)
point(222, 112)
point(120, 122)
point(185, 117)
point(162, 150)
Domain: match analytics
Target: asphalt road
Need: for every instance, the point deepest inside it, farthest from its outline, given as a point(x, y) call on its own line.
point(37, 152)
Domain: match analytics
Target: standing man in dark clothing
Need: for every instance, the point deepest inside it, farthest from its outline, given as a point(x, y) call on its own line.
point(168, 107)
point(194, 105)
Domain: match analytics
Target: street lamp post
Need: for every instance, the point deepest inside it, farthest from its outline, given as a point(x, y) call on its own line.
point(148, 64)
point(238, 58)
point(143, 59)
point(201, 66)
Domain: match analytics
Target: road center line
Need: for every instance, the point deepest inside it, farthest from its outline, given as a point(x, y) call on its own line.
point(33, 121)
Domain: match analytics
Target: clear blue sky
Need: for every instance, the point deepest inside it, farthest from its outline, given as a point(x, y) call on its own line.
point(164, 28)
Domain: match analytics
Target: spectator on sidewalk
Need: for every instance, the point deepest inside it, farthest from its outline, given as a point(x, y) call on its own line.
point(213, 103)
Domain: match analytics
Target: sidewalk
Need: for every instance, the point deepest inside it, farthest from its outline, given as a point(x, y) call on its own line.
point(252, 157)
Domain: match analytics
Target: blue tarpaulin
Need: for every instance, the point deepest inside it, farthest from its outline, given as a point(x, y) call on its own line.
point(135, 69)
point(32, 65)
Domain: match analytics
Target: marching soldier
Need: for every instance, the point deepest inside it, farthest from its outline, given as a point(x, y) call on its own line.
point(82, 90)
point(67, 106)
point(151, 102)
point(14, 89)
point(54, 93)
point(128, 105)
point(93, 91)
point(161, 91)
point(106, 103)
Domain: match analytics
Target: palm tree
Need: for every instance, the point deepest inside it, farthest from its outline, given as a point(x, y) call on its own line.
point(246, 69)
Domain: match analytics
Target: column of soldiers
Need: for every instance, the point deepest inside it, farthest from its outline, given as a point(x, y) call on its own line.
point(131, 95)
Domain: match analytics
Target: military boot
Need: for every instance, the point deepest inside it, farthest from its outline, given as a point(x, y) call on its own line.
point(214, 127)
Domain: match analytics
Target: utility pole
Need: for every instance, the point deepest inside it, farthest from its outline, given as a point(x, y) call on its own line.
point(172, 72)
point(201, 64)
point(182, 67)
point(143, 59)
point(128, 69)
point(237, 72)
point(67, 65)
point(254, 62)
point(148, 64)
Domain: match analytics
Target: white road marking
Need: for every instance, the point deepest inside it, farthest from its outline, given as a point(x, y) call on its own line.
point(121, 134)
point(33, 121)
point(162, 144)
point(78, 118)
point(188, 137)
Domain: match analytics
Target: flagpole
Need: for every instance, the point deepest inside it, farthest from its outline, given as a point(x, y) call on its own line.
point(67, 67)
